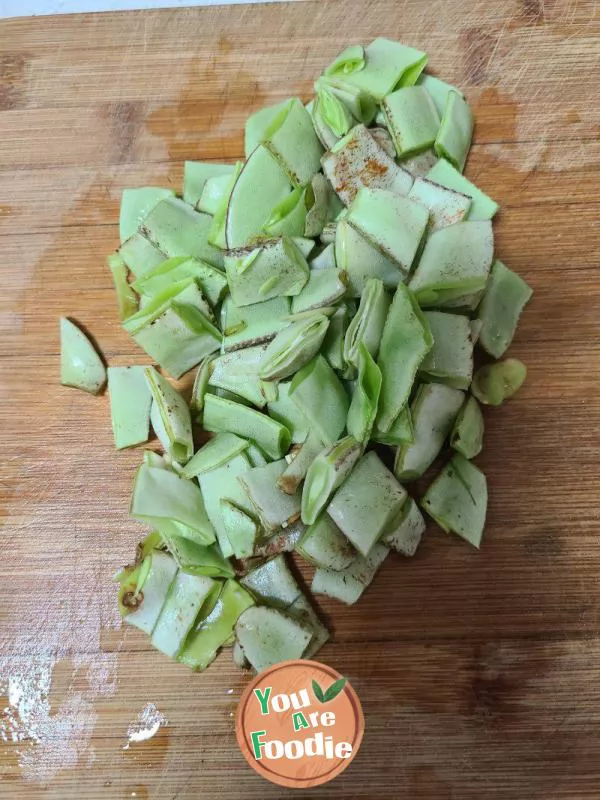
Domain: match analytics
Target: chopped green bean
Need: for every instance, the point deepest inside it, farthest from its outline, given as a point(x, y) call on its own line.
point(495, 383)
point(467, 433)
point(80, 365)
point(505, 298)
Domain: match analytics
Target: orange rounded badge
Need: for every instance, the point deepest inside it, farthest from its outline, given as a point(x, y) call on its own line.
point(299, 724)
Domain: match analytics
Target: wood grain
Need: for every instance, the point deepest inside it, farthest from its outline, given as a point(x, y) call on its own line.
point(478, 672)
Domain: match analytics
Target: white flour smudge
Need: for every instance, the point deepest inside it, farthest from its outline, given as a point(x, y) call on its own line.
point(147, 725)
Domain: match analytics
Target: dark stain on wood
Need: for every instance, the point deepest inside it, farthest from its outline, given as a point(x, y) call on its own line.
point(12, 72)
point(477, 47)
point(126, 119)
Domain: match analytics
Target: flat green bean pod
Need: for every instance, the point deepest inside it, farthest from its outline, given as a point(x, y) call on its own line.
point(456, 129)
point(450, 360)
point(357, 161)
point(174, 413)
point(196, 174)
point(467, 433)
point(446, 207)
point(140, 255)
point(482, 207)
point(253, 324)
point(242, 530)
point(225, 415)
point(349, 583)
point(200, 386)
point(365, 398)
point(433, 412)
point(183, 603)
point(320, 396)
point(293, 347)
point(455, 263)
point(211, 280)
point(438, 89)
point(350, 60)
point(284, 410)
point(387, 65)
point(457, 500)
point(273, 269)
point(420, 165)
point(393, 224)
point(147, 602)
point(258, 124)
point(126, 297)
point(333, 343)
point(401, 432)
point(405, 532)
point(327, 472)
point(215, 453)
point(324, 545)
point(405, 342)
point(261, 185)
point(412, 120)
point(367, 324)
point(130, 401)
point(214, 631)
point(80, 365)
point(268, 636)
point(274, 507)
point(366, 502)
point(292, 140)
point(296, 470)
point(273, 583)
point(495, 383)
point(239, 372)
point(177, 230)
point(161, 496)
point(360, 105)
point(331, 117)
point(136, 204)
point(506, 296)
point(361, 261)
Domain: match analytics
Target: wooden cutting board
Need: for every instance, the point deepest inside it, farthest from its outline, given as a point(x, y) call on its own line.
point(478, 672)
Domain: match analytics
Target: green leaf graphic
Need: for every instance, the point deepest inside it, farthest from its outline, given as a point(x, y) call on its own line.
point(318, 692)
point(334, 689)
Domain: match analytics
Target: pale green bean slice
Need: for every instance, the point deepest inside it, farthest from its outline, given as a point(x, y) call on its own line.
point(365, 398)
point(274, 507)
point(293, 347)
point(324, 545)
point(211, 280)
point(292, 140)
point(446, 207)
point(253, 324)
point(433, 412)
point(239, 372)
point(412, 119)
point(401, 432)
point(467, 433)
point(284, 410)
point(457, 500)
point(366, 502)
point(273, 583)
point(388, 65)
point(175, 415)
point(456, 130)
point(136, 204)
point(140, 255)
point(367, 325)
point(404, 534)
point(184, 601)
point(350, 60)
point(215, 453)
point(438, 90)
point(483, 207)
point(323, 288)
point(405, 342)
point(80, 365)
point(450, 360)
point(196, 174)
point(200, 386)
point(268, 636)
point(130, 401)
point(326, 473)
point(225, 415)
point(160, 571)
point(361, 261)
point(257, 124)
point(348, 584)
point(126, 297)
point(506, 296)
point(331, 117)
point(296, 470)
point(320, 396)
point(393, 224)
point(242, 530)
point(495, 383)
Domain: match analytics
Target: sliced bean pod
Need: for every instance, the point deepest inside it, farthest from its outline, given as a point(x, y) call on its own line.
point(433, 412)
point(258, 124)
point(420, 165)
point(327, 472)
point(215, 630)
point(296, 470)
point(455, 263)
point(140, 254)
point(405, 533)
point(130, 401)
point(211, 280)
point(200, 386)
point(366, 502)
point(361, 261)
point(198, 559)
point(438, 89)
point(450, 360)
point(257, 274)
point(333, 343)
point(302, 611)
point(274, 507)
point(506, 296)
point(293, 347)
point(467, 433)
point(320, 396)
point(393, 224)
point(186, 597)
point(253, 324)
point(273, 583)
point(367, 325)
point(80, 365)
point(239, 372)
point(405, 342)
point(482, 207)
point(158, 571)
point(456, 130)
point(136, 204)
point(457, 500)
point(196, 175)
point(446, 207)
point(268, 636)
point(225, 415)
point(331, 117)
point(412, 120)
point(292, 140)
point(348, 584)
point(215, 453)
point(323, 288)
point(126, 298)
point(357, 161)
point(175, 415)
point(365, 398)
point(242, 530)
point(401, 432)
point(284, 410)
point(324, 545)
